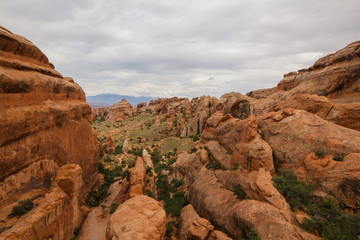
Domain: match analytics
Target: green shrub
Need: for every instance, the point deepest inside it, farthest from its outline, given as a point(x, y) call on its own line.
point(338, 158)
point(77, 231)
point(235, 167)
point(118, 150)
point(163, 194)
point(173, 206)
point(193, 150)
point(330, 222)
point(196, 138)
point(150, 194)
point(169, 228)
point(21, 208)
point(320, 153)
point(155, 156)
point(113, 207)
point(213, 165)
point(179, 195)
point(239, 192)
point(171, 161)
point(296, 192)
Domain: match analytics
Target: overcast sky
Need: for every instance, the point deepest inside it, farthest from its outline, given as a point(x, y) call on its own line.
point(164, 48)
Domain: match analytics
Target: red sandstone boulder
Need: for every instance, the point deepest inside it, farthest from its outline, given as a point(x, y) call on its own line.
point(137, 177)
point(140, 217)
point(232, 141)
point(141, 107)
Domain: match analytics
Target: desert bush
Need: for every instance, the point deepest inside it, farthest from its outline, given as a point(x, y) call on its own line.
point(21, 208)
point(330, 222)
point(213, 165)
point(118, 150)
point(338, 158)
point(296, 192)
point(320, 153)
point(169, 228)
point(113, 207)
point(239, 192)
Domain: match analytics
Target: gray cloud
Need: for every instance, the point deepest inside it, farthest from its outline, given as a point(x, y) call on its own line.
point(166, 48)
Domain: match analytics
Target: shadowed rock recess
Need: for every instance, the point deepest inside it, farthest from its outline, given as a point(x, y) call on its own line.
point(280, 163)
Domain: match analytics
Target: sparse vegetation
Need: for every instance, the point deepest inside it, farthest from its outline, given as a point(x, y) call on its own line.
point(213, 165)
point(320, 153)
point(21, 208)
point(113, 207)
point(239, 192)
point(296, 192)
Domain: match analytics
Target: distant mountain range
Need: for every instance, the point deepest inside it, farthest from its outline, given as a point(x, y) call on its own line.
point(107, 99)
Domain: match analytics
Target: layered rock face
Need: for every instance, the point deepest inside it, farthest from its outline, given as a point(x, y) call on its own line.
point(120, 111)
point(45, 124)
point(57, 213)
point(336, 76)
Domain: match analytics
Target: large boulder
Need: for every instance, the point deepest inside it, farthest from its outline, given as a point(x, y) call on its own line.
point(140, 217)
point(232, 141)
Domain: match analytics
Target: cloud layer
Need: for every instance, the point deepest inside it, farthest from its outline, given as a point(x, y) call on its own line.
point(188, 48)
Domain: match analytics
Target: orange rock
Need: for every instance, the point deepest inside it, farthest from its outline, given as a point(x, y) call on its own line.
point(120, 111)
point(140, 217)
point(141, 107)
point(110, 144)
point(137, 177)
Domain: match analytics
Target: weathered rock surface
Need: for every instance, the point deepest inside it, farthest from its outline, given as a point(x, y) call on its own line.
point(237, 105)
point(294, 134)
point(137, 178)
point(57, 213)
point(174, 105)
point(44, 117)
point(140, 217)
point(232, 141)
point(192, 226)
point(141, 107)
point(336, 76)
point(110, 144)
point(237, 217)
point(340, 179)
point(120, 111)
point(344, 114)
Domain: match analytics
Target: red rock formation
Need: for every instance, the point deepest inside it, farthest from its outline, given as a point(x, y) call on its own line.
point(175, 104)
point(141, 107)
point(192, 226)
point(340, 179)
point(43, 115)
point(140, 217)
point(294, 134)
point(336, 76)
point(344, 114)
point(56, 214)
point(45, 123)
point(120, 111)
point(137, 178)
point(232, 141)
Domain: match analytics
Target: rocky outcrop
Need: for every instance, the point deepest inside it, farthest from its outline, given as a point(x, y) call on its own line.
point(44, 118)
point(57, 213)
point(237, 105)
point(192, 226)
point(232, 141)
point(137, 178)
point(140, 217)
point(336, 76)
point(141, 107)
point(344, 114)
point(120, 111)
point(237, 217)
point(294, 134)
point(110, 144)
point(340, 179)
point(173, 105)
